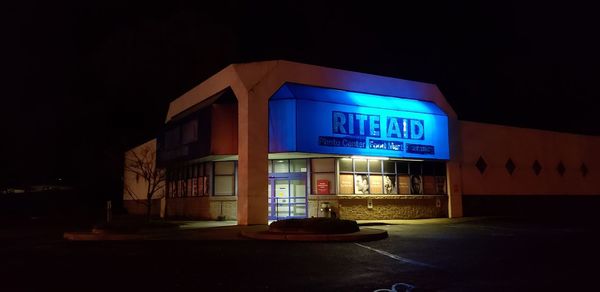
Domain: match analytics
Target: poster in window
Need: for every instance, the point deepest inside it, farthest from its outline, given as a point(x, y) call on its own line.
point(346, 184)
point(389, 184)
point(200, 186)
point(440, 185)
point(323, 187)
point(361, 184)
point(429, 185)
point(404, 184)
point(376, 184)
point(416, 184)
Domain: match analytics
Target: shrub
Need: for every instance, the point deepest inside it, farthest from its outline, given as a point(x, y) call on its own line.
point(314, 225)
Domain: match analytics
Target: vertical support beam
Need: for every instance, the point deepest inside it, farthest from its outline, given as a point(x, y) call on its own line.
point(453, 169)
point(455, 209)
point(253, 147)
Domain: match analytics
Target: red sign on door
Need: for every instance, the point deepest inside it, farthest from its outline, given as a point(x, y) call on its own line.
point(323, 187)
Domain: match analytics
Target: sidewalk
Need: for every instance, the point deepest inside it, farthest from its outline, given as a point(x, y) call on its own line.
point(187, 230)
point(229, 230)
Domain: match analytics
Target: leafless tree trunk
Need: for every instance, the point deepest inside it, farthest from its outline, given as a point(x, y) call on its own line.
point(142, 163)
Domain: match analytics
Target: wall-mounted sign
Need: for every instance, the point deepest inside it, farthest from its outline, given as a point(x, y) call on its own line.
point(360, 124)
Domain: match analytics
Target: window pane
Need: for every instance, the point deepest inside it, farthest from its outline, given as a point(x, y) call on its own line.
point(427, 168)
point(172, 138)
point(224, 185)
point(389, 166)
point(376, 184)
point(346, 184)
point(402, 167)
point(190, 187)
point(298, 165)
point(416, 184)
point(404, 184)
point(282, 190)
point(226, 167)
point(429, 185)
point(194, 185)
point(360, 165)
point(281, 166)
point(440, 169)
point(440, 185)
point(270, 166)
point(208, 175)
point(361, 184)
point(298, 210)
point(375, 166)
point(324, 165)
point(389, 184)
point(415, 168)
point(190, 132)
point(200, 185)
point(298, 188)
point(345, 164)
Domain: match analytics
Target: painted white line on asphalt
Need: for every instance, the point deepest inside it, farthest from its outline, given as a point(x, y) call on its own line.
point(398, 258)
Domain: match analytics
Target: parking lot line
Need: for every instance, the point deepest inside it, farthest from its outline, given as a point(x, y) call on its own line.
point(396, 257)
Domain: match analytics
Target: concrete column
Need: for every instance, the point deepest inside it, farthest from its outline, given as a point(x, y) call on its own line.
point(453, 172)
point(253, 149)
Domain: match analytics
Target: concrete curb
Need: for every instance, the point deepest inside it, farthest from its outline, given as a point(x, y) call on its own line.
point(89, 236)
point(365, 234)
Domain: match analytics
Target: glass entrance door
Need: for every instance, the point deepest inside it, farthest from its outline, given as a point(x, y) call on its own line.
point(287, 197)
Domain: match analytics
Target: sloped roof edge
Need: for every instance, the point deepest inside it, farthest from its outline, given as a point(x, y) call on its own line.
point(246, 76)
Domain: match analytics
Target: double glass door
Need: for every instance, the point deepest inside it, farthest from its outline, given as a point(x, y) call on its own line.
point(287, 197)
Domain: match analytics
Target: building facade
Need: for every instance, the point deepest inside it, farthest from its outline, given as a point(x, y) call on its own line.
point(272, 140)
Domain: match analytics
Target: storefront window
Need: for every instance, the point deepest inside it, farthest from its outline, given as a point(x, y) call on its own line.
point(187, 181)
point(360, 165)
point(389, 166)
point(346, 164)
point(323, 176)
point(362, 176)
point(298, 165)
point(375, 166)
point(281, 166)
point(224, 181)
point(376, 184)
point(346, 184)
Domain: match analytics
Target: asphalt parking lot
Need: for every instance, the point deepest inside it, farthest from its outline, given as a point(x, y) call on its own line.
point(484, 254)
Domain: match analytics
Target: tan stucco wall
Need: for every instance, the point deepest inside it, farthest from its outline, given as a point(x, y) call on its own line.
point(496, 144)
point(224, 129)
point(138, 185)
point(134, 207)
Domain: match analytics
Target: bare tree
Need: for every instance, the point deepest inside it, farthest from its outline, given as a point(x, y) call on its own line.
point(142, 163)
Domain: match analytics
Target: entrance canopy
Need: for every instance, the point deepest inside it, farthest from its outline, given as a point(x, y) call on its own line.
point(313, 119)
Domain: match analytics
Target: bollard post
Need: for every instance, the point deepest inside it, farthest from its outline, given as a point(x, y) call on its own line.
point(108, 211)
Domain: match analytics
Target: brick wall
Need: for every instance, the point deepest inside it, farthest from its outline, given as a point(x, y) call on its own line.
point(384, 207)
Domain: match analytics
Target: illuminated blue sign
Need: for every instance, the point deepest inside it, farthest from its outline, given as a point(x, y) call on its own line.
point(355, 124)
point(306, 120)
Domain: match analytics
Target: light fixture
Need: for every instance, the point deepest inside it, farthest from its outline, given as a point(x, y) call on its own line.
point(370, 157)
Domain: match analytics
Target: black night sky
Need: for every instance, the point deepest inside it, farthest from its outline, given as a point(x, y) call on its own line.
point(87, 80)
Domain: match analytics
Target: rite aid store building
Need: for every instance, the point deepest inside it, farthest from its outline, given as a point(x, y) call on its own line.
point(278, 139)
